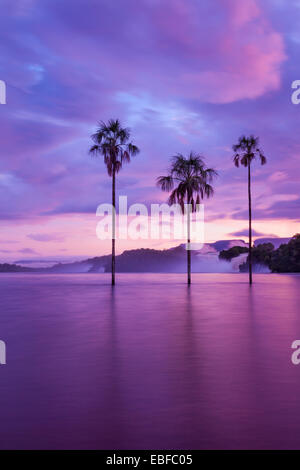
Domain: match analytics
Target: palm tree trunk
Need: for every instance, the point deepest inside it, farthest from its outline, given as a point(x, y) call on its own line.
point(189, 245)
point(250, 225)
point(113, 247)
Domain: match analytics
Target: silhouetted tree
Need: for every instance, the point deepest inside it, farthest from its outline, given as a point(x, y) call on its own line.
point(261, 256)
point(232, 252)
point(111, 141)
point(286, 259)
point(245, 151)
point(189, 180)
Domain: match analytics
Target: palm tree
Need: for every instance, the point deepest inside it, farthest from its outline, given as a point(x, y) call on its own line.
point(111, 141)
point(245, 151)
point(189, 180)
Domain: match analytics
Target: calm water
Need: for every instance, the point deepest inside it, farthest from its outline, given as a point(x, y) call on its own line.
point(151, 364)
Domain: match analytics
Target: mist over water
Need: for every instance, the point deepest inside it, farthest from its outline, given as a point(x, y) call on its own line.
point(212, 264)
point(150, 363)
point(201, 263)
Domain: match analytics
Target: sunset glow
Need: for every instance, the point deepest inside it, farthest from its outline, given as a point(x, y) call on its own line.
point(179, 86)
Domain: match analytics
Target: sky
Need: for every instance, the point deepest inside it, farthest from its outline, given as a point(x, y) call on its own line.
point(183, 75)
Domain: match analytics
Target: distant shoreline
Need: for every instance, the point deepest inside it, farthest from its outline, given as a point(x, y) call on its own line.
point(223, 256)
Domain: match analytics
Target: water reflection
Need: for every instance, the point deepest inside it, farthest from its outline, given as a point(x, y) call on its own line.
point(150, 363)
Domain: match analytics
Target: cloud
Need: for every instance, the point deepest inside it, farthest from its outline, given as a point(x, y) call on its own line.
point(183, 75)
point(43, 237)
point(72, 208)
point(279, 210)
point(245, 232)
point(222, 52)
point(27, 251)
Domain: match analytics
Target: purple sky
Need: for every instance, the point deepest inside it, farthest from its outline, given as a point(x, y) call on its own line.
point(183, 75)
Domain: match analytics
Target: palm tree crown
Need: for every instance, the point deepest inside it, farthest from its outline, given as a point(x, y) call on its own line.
point(246, 150)
point(111, 141)
point(189, 180)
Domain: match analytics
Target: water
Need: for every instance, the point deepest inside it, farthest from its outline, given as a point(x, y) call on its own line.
point(150, 364)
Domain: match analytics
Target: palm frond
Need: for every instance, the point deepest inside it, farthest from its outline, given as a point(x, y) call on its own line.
point(94, 150)
point(245, 160)
point(263, 159)
point(125, 157)
point(166, 183)
point(208, 190)
point(132, 149)
point(236, 160)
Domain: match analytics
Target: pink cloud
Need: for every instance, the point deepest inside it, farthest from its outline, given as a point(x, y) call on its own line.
point(218, 52)
point(242, 12)
point(246, 62)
